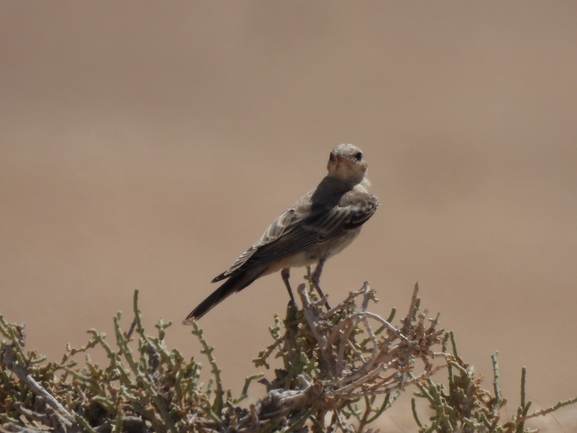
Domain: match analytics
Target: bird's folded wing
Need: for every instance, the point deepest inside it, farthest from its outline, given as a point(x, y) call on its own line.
point(296, 230)
point(272, 233)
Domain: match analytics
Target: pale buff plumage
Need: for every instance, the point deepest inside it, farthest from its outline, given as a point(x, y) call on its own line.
point(319, 225)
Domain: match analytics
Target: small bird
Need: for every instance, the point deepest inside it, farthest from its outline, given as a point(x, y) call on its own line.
point(319, 225)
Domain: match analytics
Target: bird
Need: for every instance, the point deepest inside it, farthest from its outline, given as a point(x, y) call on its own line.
point(319, 225)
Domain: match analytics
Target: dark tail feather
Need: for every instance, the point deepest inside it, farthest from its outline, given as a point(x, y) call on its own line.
point(234, 284)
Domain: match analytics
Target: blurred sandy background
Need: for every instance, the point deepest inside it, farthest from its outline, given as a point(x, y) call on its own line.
point(147, 144)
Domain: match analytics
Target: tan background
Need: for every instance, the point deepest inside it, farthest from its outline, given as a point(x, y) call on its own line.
point(147, 144)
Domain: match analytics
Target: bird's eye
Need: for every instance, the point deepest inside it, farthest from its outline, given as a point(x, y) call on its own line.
point(331, 157)
point(359, 156)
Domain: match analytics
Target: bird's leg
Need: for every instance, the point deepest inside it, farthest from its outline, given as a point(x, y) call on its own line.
point(285, 274)
point(316, 278)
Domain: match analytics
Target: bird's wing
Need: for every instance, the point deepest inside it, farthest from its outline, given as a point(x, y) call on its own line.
point(318, 227)
point(272, 233)
point(303, 226)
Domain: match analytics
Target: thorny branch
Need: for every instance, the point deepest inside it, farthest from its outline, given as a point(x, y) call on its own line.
point(341, 369)
point(348, 355)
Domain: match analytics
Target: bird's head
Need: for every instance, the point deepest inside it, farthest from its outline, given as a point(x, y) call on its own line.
point(347, 164)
